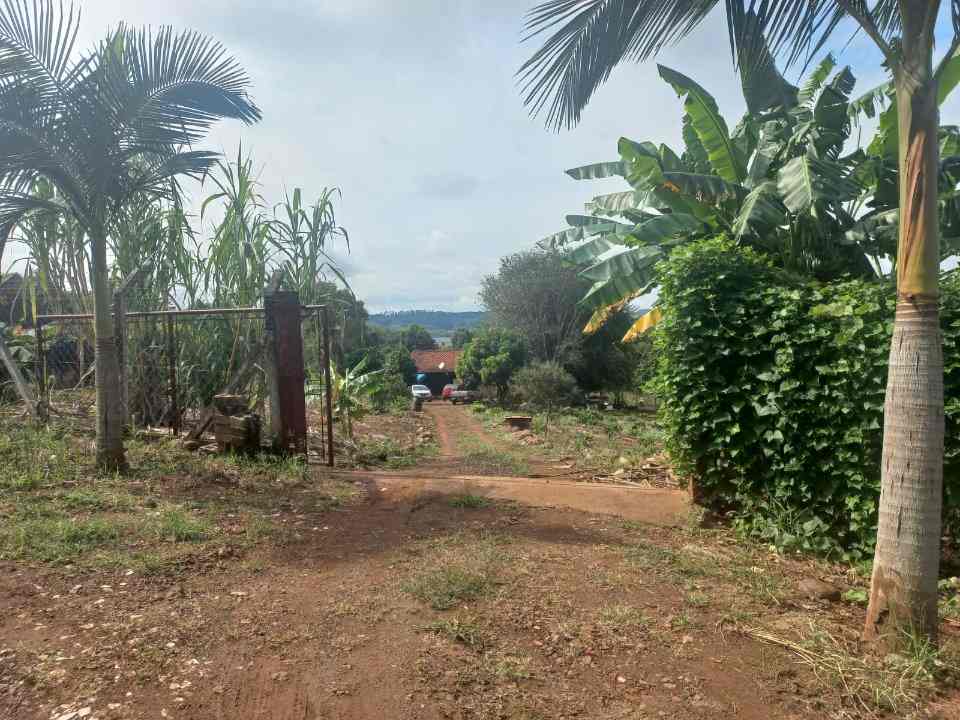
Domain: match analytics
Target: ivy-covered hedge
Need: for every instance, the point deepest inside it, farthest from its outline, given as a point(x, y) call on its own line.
point(772, 394)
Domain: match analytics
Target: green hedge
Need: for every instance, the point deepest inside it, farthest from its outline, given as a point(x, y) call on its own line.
point(772, 392)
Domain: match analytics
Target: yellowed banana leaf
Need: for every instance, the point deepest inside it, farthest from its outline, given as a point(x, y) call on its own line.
point(645, 322)
point(601, 315)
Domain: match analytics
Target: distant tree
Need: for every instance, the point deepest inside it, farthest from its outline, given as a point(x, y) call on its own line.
point(535, 292)
point(461, 336)
point(417, 337)
point(398, 363)
point(546, 386)
point(491, 358)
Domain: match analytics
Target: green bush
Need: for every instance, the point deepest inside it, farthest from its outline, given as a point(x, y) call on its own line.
point(773, 390)
point(545, 386)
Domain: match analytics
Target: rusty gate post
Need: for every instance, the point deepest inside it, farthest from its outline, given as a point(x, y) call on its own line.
point(172, 375)
point(285, 371)
point(328, 389)
point(120, 337)
point(43, 400)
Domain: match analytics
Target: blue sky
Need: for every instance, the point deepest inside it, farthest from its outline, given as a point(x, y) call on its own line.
point(412, 109)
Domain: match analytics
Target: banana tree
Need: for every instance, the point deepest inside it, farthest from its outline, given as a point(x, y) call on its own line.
point(778, 181)
point(349, 388)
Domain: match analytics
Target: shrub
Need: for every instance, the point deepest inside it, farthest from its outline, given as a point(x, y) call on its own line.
point(773, 393)
point(545, 386)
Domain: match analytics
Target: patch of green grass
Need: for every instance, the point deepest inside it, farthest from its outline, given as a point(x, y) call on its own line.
point(55, 540)
point(697, 599)
point(174, 525)
point(447, 586)
point(760, 583)
point(623, 617)
point(463, 631)
point(650, 557)
point(681, 621)
point(93, 499)
point(483, 459)
point(511, 667)
point(391, 454)
point(896, 682)
point(468, 500)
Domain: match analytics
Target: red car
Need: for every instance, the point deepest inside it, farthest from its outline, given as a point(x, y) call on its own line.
point(447, 390)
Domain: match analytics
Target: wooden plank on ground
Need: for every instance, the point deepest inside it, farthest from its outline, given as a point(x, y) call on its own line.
point(240, 378)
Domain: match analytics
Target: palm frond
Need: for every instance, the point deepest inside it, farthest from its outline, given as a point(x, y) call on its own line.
point(178, 85)
point(14, 206)
point(591, 38)
point(36, 43)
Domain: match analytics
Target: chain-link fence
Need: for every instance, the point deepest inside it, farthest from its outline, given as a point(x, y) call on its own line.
point(176, 362)
point(173, 364)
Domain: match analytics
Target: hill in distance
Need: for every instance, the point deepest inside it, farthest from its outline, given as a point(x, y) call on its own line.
point(438, 322)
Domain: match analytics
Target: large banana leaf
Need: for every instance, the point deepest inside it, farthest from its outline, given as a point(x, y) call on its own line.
point(806, 180)
point(597, 225)
point(709, 125)
point(598, 171)
point(621, 201)
point(620, 276)
point(589, 252)
point(760, 209)
point(623, 262)
point(582, 229)
point(694, 152)
point(563, 238)
point(662, 228)
point(705, 188)
point(816, 79)
point(601, 315)
point(762, 84)
point(768, 147)
point(643, 323)
point(870, 102)
point(830, 114)
point(669, 160)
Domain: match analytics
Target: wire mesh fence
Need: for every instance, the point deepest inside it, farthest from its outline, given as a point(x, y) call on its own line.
point(63, 367)
point(174, 363)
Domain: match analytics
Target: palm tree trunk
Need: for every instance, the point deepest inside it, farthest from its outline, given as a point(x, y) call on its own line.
point(110, 453)
point(903, 590)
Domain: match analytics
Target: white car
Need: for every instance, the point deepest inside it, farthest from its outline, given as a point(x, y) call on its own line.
point(422, 392)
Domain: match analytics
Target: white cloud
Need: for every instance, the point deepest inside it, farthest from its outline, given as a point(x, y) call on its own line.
point(412, 109)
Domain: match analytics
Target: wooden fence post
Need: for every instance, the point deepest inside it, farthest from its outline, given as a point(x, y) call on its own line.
point(327, 388)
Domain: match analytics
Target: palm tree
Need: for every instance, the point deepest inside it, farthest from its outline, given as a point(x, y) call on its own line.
point(104, 127)
point(591, 37)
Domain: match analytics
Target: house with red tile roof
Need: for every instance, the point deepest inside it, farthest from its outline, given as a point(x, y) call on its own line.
point(436, 368)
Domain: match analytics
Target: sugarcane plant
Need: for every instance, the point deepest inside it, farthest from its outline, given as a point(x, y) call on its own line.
point(102, 127)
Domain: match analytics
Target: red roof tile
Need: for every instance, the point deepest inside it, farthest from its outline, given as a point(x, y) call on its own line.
point(432, 361)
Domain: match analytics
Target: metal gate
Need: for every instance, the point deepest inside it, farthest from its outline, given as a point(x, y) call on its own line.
point(173, 363)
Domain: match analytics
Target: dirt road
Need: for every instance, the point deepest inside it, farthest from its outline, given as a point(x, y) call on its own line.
point(424, 599)
point(551, 487)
